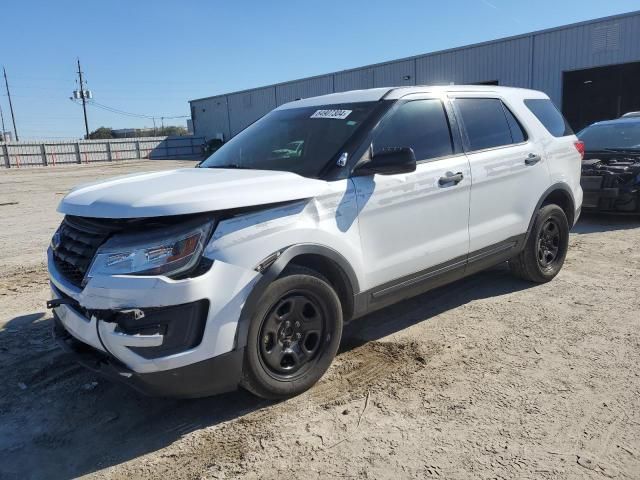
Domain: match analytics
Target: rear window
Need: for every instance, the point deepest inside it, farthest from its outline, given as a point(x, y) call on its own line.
point(488, 123)
point(549, 116)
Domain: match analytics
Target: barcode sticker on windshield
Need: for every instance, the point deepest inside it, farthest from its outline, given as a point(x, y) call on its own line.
point(339, 114)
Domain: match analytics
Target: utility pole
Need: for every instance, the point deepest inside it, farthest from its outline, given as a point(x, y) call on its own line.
point(13, 118)
point(84, 100)
point(154, 126)
point(3, 128)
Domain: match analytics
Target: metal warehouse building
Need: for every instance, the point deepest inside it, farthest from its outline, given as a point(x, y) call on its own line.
point(590, 69)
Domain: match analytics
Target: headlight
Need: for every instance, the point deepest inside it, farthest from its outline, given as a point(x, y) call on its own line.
point(161, 252)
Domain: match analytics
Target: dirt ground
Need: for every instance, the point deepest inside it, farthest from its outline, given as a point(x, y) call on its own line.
point(490, 377)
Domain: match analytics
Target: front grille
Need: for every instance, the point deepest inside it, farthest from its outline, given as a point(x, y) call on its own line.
point(79, 241)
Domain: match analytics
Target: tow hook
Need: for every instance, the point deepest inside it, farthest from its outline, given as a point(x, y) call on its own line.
point(134, 313)
point(56, 302)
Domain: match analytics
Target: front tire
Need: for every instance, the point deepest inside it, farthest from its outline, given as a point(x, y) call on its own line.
point(293, 336)
point(546, 248)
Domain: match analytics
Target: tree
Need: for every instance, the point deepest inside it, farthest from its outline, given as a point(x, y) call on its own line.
point(101, 133)
point(104, 133)
point(172, 131)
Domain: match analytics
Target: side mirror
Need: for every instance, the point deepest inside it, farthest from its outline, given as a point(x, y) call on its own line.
point(389, 161)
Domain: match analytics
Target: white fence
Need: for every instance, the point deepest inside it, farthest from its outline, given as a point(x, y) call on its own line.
point(50, 153)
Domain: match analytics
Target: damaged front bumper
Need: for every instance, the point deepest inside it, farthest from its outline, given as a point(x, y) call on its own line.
point(162, 336)
point(611, 185)
point(213, 376)
point(605, 196)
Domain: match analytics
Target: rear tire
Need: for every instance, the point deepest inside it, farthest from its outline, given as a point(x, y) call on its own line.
point(546, 248)
point(293, 336)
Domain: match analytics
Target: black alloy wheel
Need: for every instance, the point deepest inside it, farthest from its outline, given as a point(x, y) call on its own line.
point(548, 243)
point(546, 247)
point(291, 335)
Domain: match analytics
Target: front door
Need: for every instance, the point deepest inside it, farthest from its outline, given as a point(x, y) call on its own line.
point(414, 222)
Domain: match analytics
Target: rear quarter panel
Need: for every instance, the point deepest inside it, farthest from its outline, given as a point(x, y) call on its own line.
point(563, 160)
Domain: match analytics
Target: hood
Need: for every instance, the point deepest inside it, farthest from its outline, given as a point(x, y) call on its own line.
point(185, 191)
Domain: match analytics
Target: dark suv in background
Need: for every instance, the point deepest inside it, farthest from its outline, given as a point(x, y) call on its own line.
point(611, 166)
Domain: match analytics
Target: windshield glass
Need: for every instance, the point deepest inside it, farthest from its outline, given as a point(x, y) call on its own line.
point(621, 136)
point(298, 140)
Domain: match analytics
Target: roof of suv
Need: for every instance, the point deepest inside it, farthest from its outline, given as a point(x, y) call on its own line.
point(394, 93)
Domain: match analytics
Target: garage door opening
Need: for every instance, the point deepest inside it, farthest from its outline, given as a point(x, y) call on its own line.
point(600, 93)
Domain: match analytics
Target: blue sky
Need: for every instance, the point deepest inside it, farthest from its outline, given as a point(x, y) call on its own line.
point(151, 57)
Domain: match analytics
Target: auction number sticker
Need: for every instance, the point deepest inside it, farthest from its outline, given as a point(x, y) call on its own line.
point(339, 114)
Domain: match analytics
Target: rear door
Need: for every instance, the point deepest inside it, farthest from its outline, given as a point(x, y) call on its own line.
point(412, 222)
point(508, 170)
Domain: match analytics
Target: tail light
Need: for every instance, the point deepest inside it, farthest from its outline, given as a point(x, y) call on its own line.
point(580, 148)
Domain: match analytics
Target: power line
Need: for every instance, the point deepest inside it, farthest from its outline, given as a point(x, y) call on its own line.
point(118, 111)
point(93, 103)
point(115, 110)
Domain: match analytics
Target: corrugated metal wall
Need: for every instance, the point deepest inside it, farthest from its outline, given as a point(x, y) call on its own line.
point(211, 117)
point(589, 45)
point(247, 107)
point(508, 62)
point(534, 60)
point(394, 74)
point(353, 80)
point(311, 87)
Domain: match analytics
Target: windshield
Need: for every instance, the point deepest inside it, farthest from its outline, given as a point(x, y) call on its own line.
point(298, 140)
point(612, 136)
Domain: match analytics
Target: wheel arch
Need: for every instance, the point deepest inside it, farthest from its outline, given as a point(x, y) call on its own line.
point(559, 194)
point(325, 260)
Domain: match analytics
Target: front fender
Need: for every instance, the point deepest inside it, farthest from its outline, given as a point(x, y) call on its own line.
point(284, 257)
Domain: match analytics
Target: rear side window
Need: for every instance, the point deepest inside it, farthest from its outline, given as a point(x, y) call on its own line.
point(419, 124)
point(518, 134)
point(549, 116)
point(489, 123)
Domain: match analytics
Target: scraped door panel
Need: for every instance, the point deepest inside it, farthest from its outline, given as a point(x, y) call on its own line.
point(409, 222)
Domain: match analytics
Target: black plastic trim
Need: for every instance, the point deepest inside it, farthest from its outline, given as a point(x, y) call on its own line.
point(275, 269)
point(436, 276)
point(556, 186)
point(404, 283)
point(182, 326)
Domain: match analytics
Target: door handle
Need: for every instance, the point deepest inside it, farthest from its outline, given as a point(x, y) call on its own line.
point(532, 159)
point(450, 178)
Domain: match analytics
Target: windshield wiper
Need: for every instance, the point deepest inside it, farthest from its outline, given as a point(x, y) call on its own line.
point(623, 151)
point(231, 165)
point(619, 150)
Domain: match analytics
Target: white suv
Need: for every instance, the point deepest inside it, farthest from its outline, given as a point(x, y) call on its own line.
point(243, 271)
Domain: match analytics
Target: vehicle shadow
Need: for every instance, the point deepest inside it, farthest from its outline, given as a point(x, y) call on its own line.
point(591, 222)
point(60, 421)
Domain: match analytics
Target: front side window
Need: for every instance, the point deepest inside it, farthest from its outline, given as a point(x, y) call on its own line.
point(486, 123)
point(549, 116)
point(419, 124)
point(299, 140)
